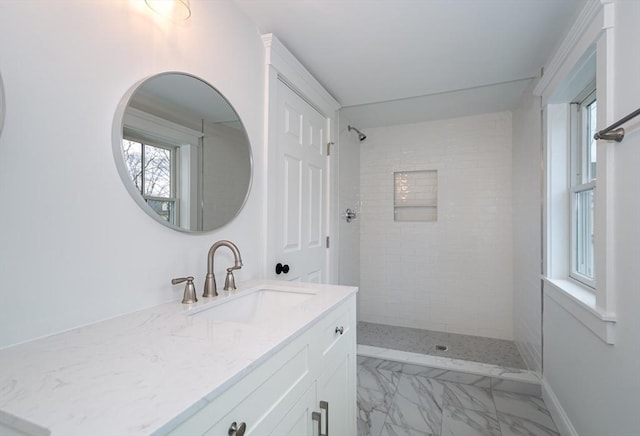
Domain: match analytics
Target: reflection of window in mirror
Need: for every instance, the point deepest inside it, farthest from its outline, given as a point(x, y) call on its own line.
point(163, 160)
point(152, 169)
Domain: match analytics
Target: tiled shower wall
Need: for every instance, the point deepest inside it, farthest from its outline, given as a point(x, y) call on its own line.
point(453, 274)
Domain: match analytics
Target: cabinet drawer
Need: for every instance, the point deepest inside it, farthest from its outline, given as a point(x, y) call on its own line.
point(253, 399)
point(338, 325)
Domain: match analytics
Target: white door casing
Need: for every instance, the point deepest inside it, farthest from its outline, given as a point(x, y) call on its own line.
point(315, 221)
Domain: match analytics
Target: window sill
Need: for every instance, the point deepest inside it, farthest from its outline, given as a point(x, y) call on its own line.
point(581, 304)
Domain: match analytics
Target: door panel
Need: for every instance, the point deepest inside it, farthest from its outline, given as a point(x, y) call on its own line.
point(315, 206)
point(292, 207)
point(298, 190)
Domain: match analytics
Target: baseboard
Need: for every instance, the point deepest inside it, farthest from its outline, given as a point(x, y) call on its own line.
point(560, 418)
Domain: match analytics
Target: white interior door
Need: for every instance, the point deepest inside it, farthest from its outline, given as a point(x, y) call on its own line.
point(298, 197)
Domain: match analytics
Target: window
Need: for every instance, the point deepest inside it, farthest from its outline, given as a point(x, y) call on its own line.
point(152, 168)
point(578, 219)
point(583, 185)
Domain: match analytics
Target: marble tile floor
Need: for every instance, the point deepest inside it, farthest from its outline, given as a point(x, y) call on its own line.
point(463, 347)
point(449, 403)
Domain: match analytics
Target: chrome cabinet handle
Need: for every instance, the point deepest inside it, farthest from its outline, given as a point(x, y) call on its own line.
point(340, 330)
point(316, 416)
point(324, 405)
point(237, 430)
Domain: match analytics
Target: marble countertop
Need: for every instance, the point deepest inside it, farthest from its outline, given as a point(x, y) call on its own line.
point(147, 371)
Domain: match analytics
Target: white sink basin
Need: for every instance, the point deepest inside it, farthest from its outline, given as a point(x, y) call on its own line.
point(258, 305)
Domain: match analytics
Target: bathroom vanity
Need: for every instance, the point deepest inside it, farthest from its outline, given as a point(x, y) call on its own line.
point(272, 357)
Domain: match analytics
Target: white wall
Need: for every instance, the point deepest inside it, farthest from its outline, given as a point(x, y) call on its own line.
point(74, 247)
point(596, 384)
point(527, 238)
point(455, 274)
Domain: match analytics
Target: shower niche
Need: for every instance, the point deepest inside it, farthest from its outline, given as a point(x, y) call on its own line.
point(415, 195)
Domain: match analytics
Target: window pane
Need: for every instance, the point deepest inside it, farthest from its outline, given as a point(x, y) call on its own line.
point(165, 209)
point(132, 152)
point(157, 171)
point(584, 233)
point(590, 142)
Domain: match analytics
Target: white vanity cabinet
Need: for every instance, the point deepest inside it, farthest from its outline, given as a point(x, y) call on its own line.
point(308, 384)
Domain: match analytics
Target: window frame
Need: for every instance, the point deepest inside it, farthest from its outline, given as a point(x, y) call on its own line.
point(585, 55)
point(581, 181)
point(174, 216)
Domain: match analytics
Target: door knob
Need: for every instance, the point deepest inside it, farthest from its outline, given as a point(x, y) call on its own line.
point(280, 268)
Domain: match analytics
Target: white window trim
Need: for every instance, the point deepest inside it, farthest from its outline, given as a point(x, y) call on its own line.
point(581, 304)
point(593, 308)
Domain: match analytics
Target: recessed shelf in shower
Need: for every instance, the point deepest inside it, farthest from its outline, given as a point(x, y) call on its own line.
point(415, 195)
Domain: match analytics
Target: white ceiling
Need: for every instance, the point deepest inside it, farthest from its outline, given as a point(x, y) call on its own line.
point(398, 61)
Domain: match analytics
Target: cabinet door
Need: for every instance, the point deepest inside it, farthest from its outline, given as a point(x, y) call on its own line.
point(299, 420)
point(336, 390)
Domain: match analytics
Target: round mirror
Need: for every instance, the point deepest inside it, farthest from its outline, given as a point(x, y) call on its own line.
point(182, 152)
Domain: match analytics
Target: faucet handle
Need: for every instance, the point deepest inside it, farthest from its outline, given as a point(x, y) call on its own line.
point(230, 281)
point(189, 296)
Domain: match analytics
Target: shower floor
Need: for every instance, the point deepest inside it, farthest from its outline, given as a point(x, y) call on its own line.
point(462, 347)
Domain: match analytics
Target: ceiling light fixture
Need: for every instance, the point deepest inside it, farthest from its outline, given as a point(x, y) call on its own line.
point(174, 9)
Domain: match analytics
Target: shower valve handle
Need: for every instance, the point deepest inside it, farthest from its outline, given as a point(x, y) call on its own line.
point(350, 215)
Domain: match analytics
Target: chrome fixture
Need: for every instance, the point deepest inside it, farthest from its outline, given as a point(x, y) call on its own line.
point(361, 136)
point(189, 296)
point(350, 215)
point(210, 288)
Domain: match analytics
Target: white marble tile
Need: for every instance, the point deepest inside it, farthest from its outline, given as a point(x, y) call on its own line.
point(375, 394)
point(460, 422)
point(481, 369)
point(417, 404)
point(450, 376)
point(468, 397)
point(370, 419)
point(394, 430)
point(523, 406)
point(372, 362)
point(517, 387)
point(377, 379)
point(517, 426)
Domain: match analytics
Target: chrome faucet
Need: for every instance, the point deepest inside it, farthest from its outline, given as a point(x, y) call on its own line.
point(210, 288)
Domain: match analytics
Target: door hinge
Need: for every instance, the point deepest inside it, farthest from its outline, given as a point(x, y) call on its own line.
point(328, 243)
point(329, 144)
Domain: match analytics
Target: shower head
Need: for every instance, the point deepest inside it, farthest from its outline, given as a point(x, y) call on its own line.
point(361, 136)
